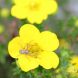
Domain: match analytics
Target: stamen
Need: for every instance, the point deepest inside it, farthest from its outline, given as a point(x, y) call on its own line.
point(31, 49)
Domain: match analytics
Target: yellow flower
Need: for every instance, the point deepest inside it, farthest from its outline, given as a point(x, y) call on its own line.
point(76, 23)
point(64, 44)
point(5, 12)
point(34, 10)
point(73, 68)
point(74, 61)
point(1, 29)
point(33, 48)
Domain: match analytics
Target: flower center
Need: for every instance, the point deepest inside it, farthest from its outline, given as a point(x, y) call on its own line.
point(32, 49)
point(34, 6)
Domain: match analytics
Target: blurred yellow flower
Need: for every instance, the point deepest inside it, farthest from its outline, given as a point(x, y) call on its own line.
point(76, 23)
point(73, 68)
point(5, 12)
point(34, 10)
point(64, 44)
point(74, 61)
point(33, 48)
point(1, 29)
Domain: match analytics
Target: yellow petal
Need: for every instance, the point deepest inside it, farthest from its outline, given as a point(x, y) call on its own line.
point(27, 63)
point(14, 47)
point(28, 33)
point(36, 16)
point(48, 60)
point(20, 2)
point(52, 6)
point(19, 12)
point(48, 41)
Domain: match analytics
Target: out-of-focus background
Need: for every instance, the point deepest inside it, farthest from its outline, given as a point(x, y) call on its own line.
point(64, 23)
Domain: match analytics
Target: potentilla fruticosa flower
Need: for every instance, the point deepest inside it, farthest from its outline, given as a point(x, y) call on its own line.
point(74, 61)
point(34, 10)
point(33, 48)
point(73, 67)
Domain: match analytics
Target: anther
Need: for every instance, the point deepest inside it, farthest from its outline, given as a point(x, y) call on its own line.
point(24, 51)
